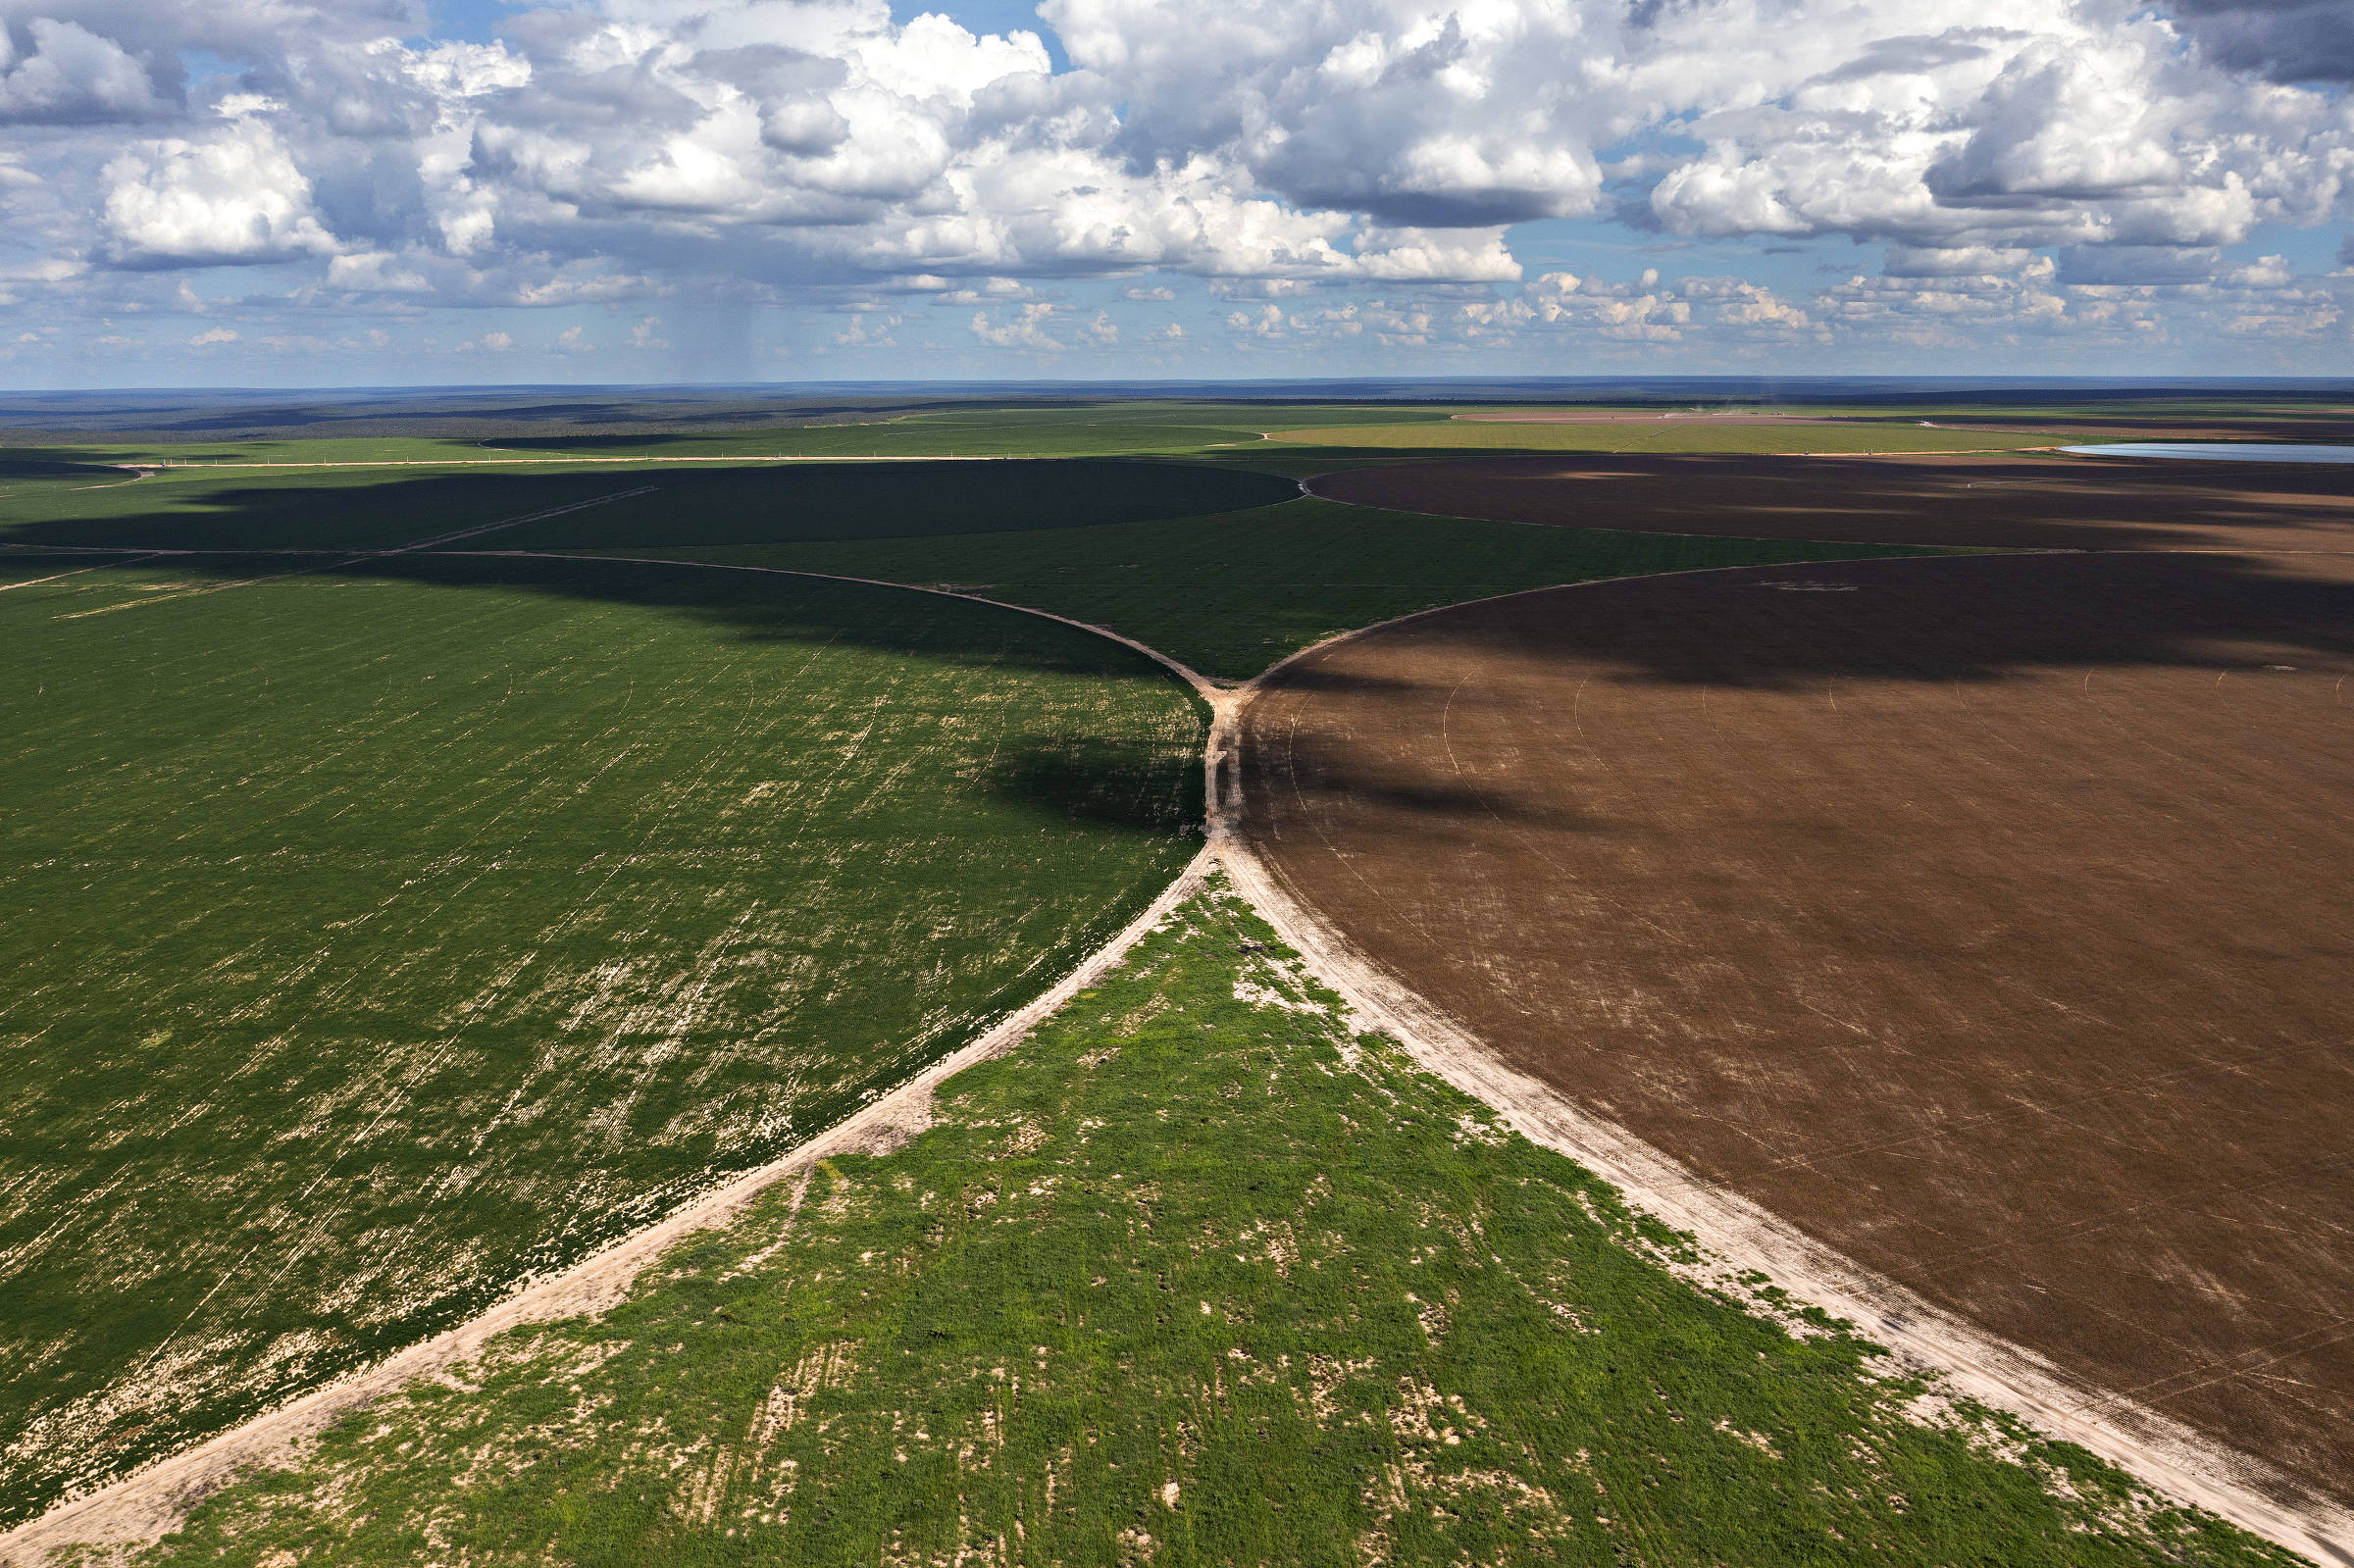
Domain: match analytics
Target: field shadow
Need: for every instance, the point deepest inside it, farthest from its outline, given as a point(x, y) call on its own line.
point(1382, 793)
point(1100, 778)
point(2000, 501)
point(619, 507)
point(1923, 620)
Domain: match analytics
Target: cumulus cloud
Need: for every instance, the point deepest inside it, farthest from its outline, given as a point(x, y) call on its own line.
point(233, 197)
point(614, 152)
point(72, 73)
point(2288, 40)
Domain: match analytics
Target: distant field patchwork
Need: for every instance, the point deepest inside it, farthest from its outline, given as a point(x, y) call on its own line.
point(376, 941)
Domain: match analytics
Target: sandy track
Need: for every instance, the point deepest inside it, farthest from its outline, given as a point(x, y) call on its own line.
point(145, 1506)
point(2167, 1455)
point(1399, 843)
point(2164, 1453)
point(148, 1505)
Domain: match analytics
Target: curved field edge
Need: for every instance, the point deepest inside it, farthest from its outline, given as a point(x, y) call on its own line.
point(1737, 1239)
point(1197, 1274)
point(1229, 594)
point(686, 998)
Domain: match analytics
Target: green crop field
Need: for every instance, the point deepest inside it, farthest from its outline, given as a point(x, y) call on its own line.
point(378, 939)
point(414, 909)
point(1229, 595)
point(1049, 429)
point(379, 508)
point(1193, 1277)
point(1662, 436)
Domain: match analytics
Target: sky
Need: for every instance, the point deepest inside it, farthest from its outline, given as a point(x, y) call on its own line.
point(389, 193)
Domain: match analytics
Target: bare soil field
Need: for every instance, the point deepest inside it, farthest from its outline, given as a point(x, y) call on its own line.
point(1993, 500)
point(1623, 416)
point(2304, 424)
point(1982, 916)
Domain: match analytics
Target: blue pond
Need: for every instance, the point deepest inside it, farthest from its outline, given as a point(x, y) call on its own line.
point(2219, 452)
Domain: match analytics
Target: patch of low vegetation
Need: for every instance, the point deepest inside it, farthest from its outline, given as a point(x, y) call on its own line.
point(1231, 594)
point(377, 941)
point(1195, 1276)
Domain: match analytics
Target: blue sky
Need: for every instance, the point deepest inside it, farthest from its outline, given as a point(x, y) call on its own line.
point(251, 192)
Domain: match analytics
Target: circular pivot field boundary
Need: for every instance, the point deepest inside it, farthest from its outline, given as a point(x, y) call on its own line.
point(149, 1503)
point(2164, 1454)
point(2167, 1455)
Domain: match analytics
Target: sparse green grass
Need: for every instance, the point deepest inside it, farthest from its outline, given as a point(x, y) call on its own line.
point(1193, 1277)
point(1230, 595)
point(374, 941)
point(1650, 435)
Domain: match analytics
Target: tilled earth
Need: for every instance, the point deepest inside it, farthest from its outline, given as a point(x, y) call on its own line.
point(1984, 916)
point(2001, 500)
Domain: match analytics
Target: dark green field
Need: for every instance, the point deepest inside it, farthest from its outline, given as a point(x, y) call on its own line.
point(1230, 595)
point(375, 941)
point(379, 508)
point(1193, 1277)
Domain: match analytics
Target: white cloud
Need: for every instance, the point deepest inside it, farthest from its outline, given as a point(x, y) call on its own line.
point(72, 74)
point(617, 152)
point(1024, 330)
point(234, 196)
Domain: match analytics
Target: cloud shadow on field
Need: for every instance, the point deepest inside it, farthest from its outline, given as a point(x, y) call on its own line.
point(1965, 500)
point(1086, 778)
point(616, 507)
point(1331, 779)
point(1089, 779)
point(1923, 619)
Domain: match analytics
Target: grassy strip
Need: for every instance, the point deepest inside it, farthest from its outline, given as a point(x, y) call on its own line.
point(1070, 430)
point(1231, 594)
point(373, 943)
point(1191, 1277)
point(1647, 436)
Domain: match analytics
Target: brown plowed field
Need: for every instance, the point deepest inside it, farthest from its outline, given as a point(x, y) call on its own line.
point(1965, 498)
point(1987, 916)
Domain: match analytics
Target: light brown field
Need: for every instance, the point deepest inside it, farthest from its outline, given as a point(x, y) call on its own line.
point(1984, 917)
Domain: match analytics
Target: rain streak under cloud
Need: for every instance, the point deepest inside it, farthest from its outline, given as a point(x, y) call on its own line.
point(270, 191)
